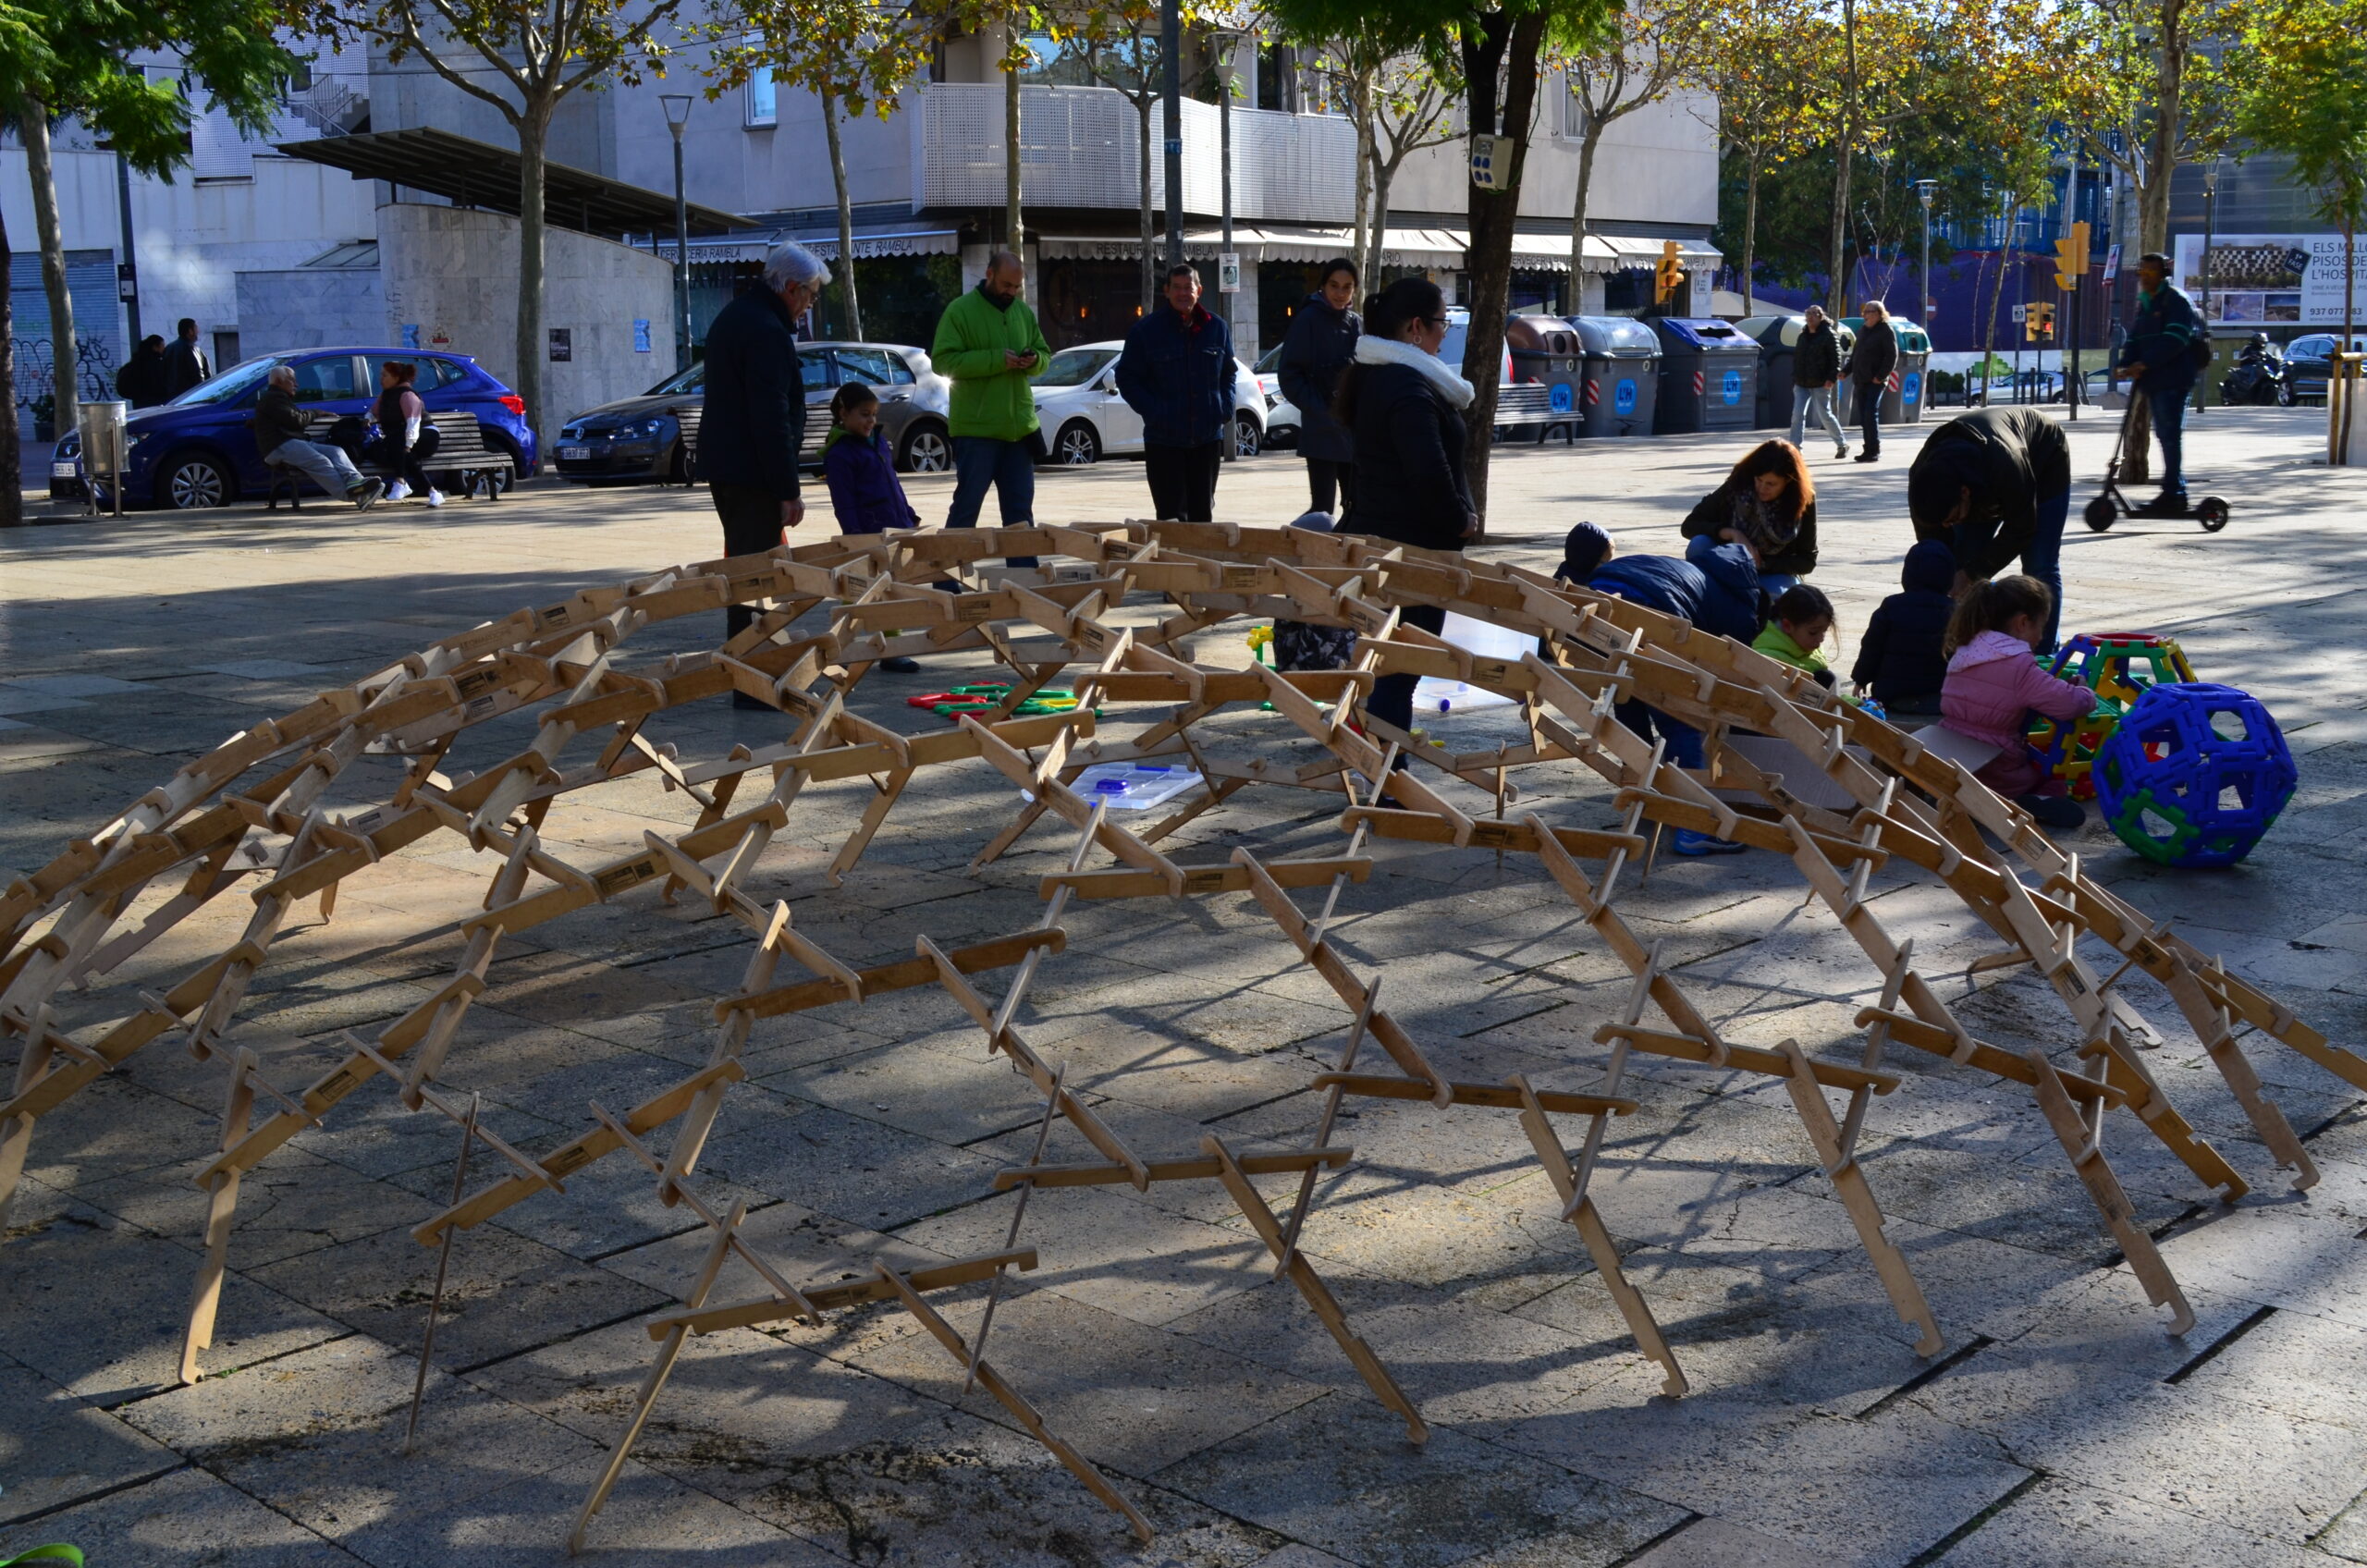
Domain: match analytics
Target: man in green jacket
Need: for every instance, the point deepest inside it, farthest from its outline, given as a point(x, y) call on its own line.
point(988, 345)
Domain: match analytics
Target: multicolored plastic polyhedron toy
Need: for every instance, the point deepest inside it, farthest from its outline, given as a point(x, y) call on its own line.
point(2195, 775)
point(2118, 667)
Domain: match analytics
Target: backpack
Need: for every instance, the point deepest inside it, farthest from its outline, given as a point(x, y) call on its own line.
point(2199, 347)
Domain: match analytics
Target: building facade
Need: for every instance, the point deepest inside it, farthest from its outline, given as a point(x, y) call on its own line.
point(273, 244)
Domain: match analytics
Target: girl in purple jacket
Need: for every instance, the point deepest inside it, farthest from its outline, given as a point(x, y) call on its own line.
point(1993, 683)
point(865, 491)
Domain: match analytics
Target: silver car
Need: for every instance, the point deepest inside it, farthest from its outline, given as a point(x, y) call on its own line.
point(655, 435)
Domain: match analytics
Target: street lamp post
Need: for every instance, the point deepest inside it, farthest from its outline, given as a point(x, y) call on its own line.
point(2209, 226)
point(677, 115)
point(1170, 47)
point(1926, 188)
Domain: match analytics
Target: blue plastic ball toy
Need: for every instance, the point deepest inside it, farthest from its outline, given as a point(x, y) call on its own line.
point(2195, 774)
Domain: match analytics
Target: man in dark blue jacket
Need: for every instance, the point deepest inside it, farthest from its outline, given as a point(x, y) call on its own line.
point(2160, 359)
point(1715, 587)
point(1177, 373)
point(754, 425)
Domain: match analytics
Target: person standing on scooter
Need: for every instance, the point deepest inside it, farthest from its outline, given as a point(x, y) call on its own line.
point(2163, 356)
point(1994, 485)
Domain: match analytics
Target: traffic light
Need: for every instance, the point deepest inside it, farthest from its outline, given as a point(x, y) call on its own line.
point(2071, 257)
point(1669, 275)
point(2038, 321)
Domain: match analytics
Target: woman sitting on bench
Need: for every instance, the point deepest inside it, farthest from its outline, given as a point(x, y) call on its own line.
point(405, 439)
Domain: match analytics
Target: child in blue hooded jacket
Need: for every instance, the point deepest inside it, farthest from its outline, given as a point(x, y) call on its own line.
point(1715, 587)
point(865, 491)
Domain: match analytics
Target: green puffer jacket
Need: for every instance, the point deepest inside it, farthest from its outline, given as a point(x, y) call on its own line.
point(990, 399)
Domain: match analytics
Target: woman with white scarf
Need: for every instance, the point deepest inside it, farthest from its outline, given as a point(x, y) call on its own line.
point(1404, 406)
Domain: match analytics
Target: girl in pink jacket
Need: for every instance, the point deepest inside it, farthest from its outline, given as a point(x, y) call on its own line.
point(1994, 680)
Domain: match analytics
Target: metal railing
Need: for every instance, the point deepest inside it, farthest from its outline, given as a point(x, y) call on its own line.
point(1081, 147)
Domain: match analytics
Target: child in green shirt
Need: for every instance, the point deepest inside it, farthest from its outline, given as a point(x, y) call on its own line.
point(1798, 627)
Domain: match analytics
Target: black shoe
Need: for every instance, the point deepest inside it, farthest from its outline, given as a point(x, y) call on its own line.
point(900, 666)
point(2167, 504)
point(742, 700)
point(2059, 811)
point(1866, 457)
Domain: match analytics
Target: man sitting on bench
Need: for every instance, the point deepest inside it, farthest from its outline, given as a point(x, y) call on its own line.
point(280, 434)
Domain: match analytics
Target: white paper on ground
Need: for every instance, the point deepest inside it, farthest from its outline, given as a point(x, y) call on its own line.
point(1434, 695)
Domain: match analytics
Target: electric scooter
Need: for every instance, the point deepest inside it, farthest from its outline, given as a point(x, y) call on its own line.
point(2114, 504)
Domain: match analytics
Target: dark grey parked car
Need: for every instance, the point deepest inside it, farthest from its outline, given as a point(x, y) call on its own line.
point(655, 435)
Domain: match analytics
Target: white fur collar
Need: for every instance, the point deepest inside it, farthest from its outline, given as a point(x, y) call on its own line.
point(1371, 351)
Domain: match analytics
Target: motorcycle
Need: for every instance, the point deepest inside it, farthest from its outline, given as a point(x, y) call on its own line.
point(2258, 376)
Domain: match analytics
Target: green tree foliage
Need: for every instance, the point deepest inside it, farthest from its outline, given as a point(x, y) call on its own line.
point(2299, 86)
point(72, 58)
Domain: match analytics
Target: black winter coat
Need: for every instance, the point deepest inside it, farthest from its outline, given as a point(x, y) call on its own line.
point(755, 420)
point(185, 366)
point(1178, 375)
point(1716, 510)
point(141, 382)
point(1899, 656)
point(1816, 359)
point(1318, 345)
point(1875, 356)
point(1408, 457)
point(2009, 458)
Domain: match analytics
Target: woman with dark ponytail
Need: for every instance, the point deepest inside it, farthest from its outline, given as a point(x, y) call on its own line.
point(1404, 406)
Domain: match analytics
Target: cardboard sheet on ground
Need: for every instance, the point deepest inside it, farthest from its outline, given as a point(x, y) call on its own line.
point(1432, 695)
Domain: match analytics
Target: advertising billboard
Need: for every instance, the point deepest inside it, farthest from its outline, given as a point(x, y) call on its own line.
point(2270, 278)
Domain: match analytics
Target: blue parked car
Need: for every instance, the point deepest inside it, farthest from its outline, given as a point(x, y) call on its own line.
point(198, 451)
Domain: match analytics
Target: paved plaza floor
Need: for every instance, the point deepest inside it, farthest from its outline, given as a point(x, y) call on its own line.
point(2060, 1425)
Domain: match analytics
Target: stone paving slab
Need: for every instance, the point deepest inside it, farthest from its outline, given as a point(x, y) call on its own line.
point(2059, 1424)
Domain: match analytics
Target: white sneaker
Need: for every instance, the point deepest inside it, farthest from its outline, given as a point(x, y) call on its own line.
point(433, 497)
point(397, 491)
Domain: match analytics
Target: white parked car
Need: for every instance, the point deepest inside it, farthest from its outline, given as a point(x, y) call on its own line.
point(1084, 418)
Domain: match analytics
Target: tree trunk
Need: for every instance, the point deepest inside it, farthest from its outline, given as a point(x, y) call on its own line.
point(1014, 232)
point(1989, 333)
point(34, 124)
point(1364, 108)
point(1492, 216)
point(12, 482)
point(2162, 157)
point(1750, 228)
point(853, 325)
point(533, 127)
point(1579, 204)
point(1838, 289)
point(1383, 177)
point(1142, 138)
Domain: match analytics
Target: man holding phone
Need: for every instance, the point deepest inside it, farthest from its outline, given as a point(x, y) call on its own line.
point(989, 346)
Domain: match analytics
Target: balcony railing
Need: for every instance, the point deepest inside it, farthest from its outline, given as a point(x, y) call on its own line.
point(1080, 147)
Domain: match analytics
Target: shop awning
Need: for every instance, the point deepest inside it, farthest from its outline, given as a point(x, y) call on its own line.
point(477, 174)
point(1404, 247)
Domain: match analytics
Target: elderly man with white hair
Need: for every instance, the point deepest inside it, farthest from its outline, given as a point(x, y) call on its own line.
point(753, 425)
point(279, 436)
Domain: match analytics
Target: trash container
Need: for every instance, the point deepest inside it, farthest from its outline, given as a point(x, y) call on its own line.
point(1709, 376)
point(1903, 399)
point(1545, 352)
point(105, 450)
point(1910, 379)
point(1620, 382)
point(1778, 338)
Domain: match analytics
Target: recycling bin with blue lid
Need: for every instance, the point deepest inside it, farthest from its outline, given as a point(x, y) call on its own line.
point(1709, 376)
